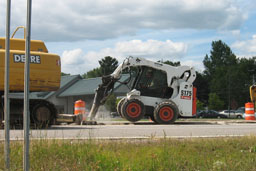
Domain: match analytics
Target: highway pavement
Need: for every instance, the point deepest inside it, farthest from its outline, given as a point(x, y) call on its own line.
point(140, 130)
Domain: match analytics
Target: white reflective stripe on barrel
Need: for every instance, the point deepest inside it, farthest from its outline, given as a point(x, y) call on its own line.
point(249, 114)
point(79, 108)
point(246, 109)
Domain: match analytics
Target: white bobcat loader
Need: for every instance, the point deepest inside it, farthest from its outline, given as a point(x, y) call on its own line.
point(160, 91)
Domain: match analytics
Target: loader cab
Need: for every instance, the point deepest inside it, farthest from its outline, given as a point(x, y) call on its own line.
point(152, 82)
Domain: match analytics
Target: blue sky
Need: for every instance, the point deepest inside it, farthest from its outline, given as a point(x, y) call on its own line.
point(84, 31)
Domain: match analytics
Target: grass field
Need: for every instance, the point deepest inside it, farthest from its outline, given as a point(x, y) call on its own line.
point(163, 154)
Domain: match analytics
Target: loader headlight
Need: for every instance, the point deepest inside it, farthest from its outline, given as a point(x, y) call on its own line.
point(186, 74)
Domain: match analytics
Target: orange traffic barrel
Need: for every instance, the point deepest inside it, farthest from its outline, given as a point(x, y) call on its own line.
point(249, 111)
point(79, 107)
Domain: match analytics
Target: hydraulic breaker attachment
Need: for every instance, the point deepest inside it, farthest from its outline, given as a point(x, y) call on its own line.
point(101, 94)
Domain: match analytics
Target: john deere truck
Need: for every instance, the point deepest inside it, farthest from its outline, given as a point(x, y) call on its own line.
point(45, 73)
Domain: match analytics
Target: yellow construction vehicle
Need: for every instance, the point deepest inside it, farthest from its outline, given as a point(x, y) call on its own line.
point(253, 94)
point(45, 74)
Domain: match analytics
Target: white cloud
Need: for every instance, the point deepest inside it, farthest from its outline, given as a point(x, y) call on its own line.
point(152, 48)
point(65, 20)
point(236, 33)
point(74, 62)
point(71, 61)
point(247, 47)
point(72, 57)
point(198, 65)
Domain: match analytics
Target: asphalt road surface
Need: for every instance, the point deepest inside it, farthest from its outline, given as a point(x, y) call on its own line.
point(140, 130)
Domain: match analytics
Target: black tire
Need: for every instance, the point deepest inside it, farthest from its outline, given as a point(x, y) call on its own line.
point(166, 112)
point(133, 110)
point(239, 117)
point(119, 106)
point(42, 115)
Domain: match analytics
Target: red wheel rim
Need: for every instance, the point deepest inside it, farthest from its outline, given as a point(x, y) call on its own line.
point(166, 113)
point(133, 109)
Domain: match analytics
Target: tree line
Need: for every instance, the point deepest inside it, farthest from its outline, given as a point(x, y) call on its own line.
point(223, 84)
point(225, 81)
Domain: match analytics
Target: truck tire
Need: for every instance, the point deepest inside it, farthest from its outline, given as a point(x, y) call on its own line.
point(133, 110)
point(43, 115)
point(166, 112)
point(119, 106)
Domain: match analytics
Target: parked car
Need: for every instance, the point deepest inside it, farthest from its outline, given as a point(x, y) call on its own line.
point(239, 114)
point(241, 109)
point(232, 113)
point(210, 114)
point(228, 113)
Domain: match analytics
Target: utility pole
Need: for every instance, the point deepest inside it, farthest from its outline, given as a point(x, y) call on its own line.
point(229, 95)
point(26, 120)
point(6, 88)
